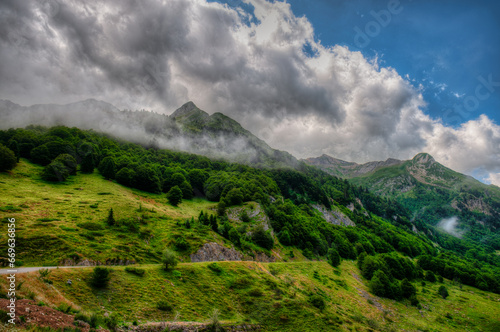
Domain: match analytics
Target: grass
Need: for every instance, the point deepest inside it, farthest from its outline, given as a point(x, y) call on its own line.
point(66, 220)
point(247, 292)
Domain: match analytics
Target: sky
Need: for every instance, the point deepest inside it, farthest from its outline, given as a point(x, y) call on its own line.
point(358, 80)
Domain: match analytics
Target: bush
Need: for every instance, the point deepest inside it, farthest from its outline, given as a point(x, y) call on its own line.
point(169, 259)
point(8, 158)
point(430, 276)
point(163, 305)
point(244, 216)
point(110, 220)
point(111, 322)
point(333, 257)
point(263, 238)
point(234, 197)
point(174, 195)
point(135, 270)
point(56, 171)
point(181, 244)
point(215, 267)
point(100, 277)
point(443, 292)
point(407, 289)
point(69, 162)
point(107, 168)
point(318, 302)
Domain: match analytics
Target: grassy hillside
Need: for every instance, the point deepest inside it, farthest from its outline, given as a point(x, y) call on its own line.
point(57, 221)
point(278, 296)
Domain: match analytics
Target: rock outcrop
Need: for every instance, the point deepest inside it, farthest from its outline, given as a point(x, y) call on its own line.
point(215, 252)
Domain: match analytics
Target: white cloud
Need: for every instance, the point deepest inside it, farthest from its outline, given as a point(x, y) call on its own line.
point(158, 55)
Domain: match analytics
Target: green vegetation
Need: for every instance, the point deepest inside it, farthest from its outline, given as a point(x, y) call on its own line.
point(141, 201)
point(8, 159)
point(100, 277)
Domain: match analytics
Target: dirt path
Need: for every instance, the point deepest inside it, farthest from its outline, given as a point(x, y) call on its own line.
point(36, 268)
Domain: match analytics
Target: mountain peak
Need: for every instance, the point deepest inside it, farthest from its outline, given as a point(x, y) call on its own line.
point(188, 108)
point(423, 158)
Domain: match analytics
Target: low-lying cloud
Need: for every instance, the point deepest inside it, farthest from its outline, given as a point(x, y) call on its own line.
point(251, 66)
point(450, 226)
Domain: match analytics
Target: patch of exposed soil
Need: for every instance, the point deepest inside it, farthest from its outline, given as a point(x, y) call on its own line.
point(28, 313)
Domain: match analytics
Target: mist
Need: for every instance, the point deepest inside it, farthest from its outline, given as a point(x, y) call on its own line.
point(450, 226)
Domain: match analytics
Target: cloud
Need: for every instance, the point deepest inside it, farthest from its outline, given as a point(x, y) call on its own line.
point(262, 66)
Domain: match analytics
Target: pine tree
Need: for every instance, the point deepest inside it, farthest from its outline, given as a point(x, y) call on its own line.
point(111, 220)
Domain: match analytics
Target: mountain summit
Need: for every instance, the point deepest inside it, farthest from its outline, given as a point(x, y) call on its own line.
point(187, 129)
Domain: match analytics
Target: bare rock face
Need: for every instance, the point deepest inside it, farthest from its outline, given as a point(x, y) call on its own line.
point(334, 216)
point(215, 252)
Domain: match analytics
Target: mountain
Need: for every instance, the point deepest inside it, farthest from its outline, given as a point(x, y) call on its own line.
point(429, 190)
point(187, 129)
point(346, 169)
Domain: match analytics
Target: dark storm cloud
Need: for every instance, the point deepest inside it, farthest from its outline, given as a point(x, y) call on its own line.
point(251, 66)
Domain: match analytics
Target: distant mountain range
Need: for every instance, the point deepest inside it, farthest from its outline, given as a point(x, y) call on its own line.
point(431, 191)
point(187, 129)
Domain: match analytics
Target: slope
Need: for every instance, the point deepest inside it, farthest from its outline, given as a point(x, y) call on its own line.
point(187, 129)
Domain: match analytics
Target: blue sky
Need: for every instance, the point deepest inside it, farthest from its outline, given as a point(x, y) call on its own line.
point(443, 45)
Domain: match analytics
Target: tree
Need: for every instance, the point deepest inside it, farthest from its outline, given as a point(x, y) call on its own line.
point(169, 259)
point(430, 276)
point(380, 284)
point(7, 158)
point(14, 146)
point(284, 237)
point(56, 171)
point(125, 176)
point(234, 197)
point(443, 292)
point(187, 190)
point(333, 257)
point(174, 195)
point(69, 162)
point(262, 238)
point(107, 168)
point(407, 289)
point(40, 155)
point(213, 223)
point(234, 236)
point(87, 165)
point(111, 220)
point(100, 277)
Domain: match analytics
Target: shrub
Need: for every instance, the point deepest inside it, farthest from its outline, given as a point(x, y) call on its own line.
point(135, 270)
point(169, 259)
point(91, 226)
point(56, 171)
point(430, 276)
point(263, 238)
point(333, 257)
point(163, 305)
point(110, 220)
point(8, 158)
point(69, 162)
point(407, 289)
point(234, 197)
point(215, 267)
point(318, 302)
point(107, 168)
point(443, 292)
point(177, 274)
point(100, 277)
point(111, 321)
point(244, 216)
point(174, 195)
point(181, 244)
